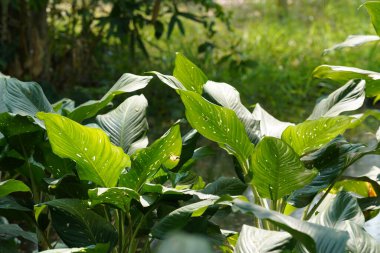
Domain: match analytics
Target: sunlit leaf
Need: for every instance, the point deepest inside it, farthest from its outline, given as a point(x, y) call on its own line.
point(373, 8)
point(12, 185)
point(353, 41)
point(119, 197)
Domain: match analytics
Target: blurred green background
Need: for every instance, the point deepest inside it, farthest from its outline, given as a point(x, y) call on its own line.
point(267, 49)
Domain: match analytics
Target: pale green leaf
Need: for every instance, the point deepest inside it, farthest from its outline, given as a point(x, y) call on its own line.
point(349, 97)
point(127, 123)
point(373, 8)
point(98, 248)
point(12, 185)
point(313, 134)
point(360, 241)
point(353, 41)
point(255, 240)
point(97, 159)
point(119, 197)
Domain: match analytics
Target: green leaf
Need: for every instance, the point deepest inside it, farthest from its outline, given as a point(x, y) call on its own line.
point(10, 203)
point(224, 186)
point(277, 169)
point(218, 124)
point(373, 8)
point(269, 125)
point(353, 41)
point(255, 240)
point(360, 241)
point(185, 243)
point(98, 248)
point(126, 123)
point(119, 197)
point(343, 207)
point(178, 218)
point(189, 74)
point(14, 125)
point(127, 83)
point(347, 98)
point(171, 81)
point(227, 96)
point(312, 134)
point(146, 162)
point(189, 143)
point(78, 226)
point(342, 74)
point(3, 107)
point(97, 159)
point(314, 237)
point(8, 231)
point(331, 160)
point(24, 98)
point(12, 185)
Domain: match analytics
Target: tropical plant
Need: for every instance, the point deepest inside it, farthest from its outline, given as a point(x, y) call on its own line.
point(84, 177)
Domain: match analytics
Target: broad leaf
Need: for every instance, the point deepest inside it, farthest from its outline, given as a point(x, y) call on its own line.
point(179, 218)
point(12, 185)
point(185, 243)
point(24, 98)
point(189, 74)
point(329, 167)
point(13, 124)
point(255, 240)
point(342, 75)
point(146, 162)
point(227, 96)
point(312, 134)
point(344, 207)
point(189, 143)
point(8, 231)
point(171, 81)
point(218, 124)
point(349, 97)
point(373, 8)
point(3, 107)
point(269, 125)
point(126, 123)
point(127, 83)
point(224, 186)
point(119, 197)
point(277, 169)
point(353, 41)
point(97, 159)
point(314, 237)
point(78, 226)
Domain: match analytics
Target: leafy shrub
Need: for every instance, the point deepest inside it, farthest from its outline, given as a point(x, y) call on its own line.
point(87, 174)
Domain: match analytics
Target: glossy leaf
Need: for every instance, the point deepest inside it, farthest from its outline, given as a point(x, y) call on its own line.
point(269, 125)
point(360, 241)
point(227, 96)
point(218, 124)
point(255, 240)
point(24, 98)
point(224, 186)
point(127, 83)
point(189, 74)
point(78, 226)
point(171, 81)
point(312, 134)
point(342, 75)
point(353, 41)
point(314, 237)
point(127, 123)
point(119, 197)
point(349, 97)
point(146, 162)
point(331, 160)
point(277, 169)
point(98, 160)
point(12, 185)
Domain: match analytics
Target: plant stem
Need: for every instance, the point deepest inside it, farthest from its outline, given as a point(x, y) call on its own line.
point(121, 230)
point(309, 214)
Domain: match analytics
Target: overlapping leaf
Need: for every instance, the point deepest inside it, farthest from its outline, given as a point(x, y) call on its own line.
point(98, 160)
point(218, 124)
point(227, 96)
point(349, 97)
point(277, 169)
point(146, 162)
point(126, 123)
point(119, 197)
point(12, 185)
point(127, 83)
point(312, 134)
